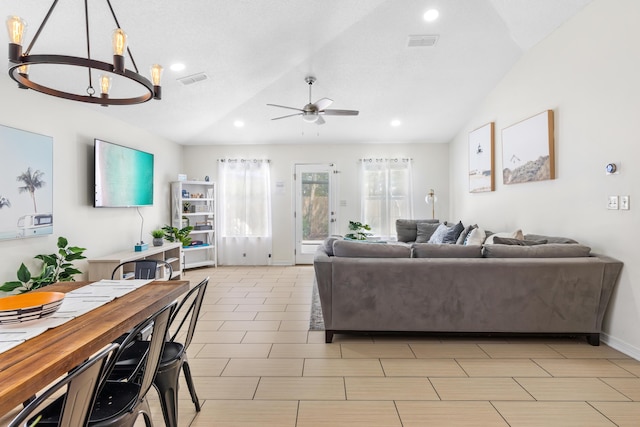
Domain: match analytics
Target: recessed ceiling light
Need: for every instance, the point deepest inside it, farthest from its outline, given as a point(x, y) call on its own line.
point(431, 15)
point(177, 67)
point(395, 123)
point(238, 123)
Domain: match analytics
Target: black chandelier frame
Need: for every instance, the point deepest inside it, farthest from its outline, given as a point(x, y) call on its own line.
point(18, 59)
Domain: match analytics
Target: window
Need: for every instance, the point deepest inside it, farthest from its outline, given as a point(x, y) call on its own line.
point(385, 194)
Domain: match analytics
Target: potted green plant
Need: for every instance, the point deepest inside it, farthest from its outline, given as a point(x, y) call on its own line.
point(358, 231)
point(173, 234)
point(158, 237)
point(56, 267)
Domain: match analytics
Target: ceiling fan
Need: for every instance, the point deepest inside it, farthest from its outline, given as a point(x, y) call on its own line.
point(313, 112)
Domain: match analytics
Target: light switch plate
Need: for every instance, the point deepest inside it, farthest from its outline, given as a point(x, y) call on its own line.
point(612, 202)
point(624, 203)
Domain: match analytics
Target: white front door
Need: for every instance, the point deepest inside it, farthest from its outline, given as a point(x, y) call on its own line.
point(314, 208)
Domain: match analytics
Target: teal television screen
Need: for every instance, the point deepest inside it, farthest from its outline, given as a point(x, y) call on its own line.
point(123, 176)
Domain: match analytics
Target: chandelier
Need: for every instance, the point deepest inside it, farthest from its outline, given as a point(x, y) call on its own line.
point(20, 63)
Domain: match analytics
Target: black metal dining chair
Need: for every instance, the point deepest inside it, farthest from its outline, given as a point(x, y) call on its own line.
point(174, 357)
point(82, 386)
point(119, 403)
point(143, 269)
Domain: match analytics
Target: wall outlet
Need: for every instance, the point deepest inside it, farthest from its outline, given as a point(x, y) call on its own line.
point(624, 203)
point(612, 202)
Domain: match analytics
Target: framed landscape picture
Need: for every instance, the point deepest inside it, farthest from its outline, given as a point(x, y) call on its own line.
point(528, 150)
point(481, 163)
point(26, 184)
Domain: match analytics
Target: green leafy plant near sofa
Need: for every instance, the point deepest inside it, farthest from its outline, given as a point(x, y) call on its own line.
point(56, 267)
point(358, 231)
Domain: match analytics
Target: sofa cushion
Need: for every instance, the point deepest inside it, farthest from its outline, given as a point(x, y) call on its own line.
point(445, 250)
point(551, 250)
point(454, 232)
point(549, 239)
point(355, 249)
point(511, 235)
point(425, 231)
point(407, 229)
point(475, 237)
point(517, 242)
point(328, 244)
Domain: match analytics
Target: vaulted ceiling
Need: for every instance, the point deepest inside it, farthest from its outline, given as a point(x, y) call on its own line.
point(255, 52)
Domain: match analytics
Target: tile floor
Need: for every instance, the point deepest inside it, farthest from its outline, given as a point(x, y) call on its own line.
point(256, 364)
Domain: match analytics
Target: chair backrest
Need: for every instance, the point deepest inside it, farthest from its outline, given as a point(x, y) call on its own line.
point(188, 309)
point(144, 268)
point(156, 347)
point(83, 384)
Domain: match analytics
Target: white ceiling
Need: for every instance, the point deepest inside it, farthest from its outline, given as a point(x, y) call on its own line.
point(256, 52)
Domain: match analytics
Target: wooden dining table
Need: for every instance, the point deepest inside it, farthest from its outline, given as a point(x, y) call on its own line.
point(31, 366)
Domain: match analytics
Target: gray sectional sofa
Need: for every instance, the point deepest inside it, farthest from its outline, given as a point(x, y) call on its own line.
point(553, 288)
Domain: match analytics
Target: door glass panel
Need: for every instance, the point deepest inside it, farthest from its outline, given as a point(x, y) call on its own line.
point(315, 206)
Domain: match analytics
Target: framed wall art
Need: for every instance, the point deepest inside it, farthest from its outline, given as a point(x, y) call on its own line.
point(528, 150)
point(26, 184)
point(481, 159)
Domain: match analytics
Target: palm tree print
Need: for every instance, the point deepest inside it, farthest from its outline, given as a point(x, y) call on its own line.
point(32, 181)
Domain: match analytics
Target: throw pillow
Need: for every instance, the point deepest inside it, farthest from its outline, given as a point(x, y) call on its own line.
point(406, 229)
point(517, 242)
point(465, 233)
point(438, 235)
point(511, 235)
point(452, 235)
point(476, 237)
point(549, 239)
point(425, 231)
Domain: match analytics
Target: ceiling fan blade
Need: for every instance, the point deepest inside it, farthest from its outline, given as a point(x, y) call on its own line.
point(320, 121)
point(340, 112)
point(323, 103)
point(288, 115)
point(284, 106)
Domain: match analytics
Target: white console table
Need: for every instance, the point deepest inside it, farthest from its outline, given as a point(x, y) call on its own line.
point(102, 267)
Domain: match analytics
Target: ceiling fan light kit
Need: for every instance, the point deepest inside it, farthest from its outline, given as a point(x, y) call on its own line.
point(313, 111)
point(20, 63)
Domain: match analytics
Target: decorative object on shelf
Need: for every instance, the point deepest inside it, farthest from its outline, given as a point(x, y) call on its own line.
point(31, 306)
point(173, 234)
point(56, 267)
point(206, 178)
point(21, 61)
point(431, 199)
point(139, 247)
point(528, 150)
point(158, 237)
point(358, 231)
point(185, 194)
point(182, 177)
point(481, 159)
point(186, 207)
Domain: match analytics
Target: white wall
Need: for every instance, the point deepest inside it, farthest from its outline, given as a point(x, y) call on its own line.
point(73, 128)
point(430, 170)
point(587, 72)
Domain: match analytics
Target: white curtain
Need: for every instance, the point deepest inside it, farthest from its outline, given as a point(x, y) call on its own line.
point(386, 194)
point(245, 212)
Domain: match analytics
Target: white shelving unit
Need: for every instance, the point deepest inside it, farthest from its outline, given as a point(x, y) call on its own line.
point(102, 267)
point(193, 203)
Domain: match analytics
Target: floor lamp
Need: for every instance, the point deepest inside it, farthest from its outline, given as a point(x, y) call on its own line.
point(431, 199)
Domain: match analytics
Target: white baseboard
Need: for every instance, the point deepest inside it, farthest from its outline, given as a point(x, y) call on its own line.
point(621, 346)
point(281, 262)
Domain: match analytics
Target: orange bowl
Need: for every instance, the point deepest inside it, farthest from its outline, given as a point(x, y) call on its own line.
point(29, 306)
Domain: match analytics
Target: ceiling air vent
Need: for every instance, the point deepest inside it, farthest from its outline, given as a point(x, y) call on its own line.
point(422, 41)
point(195, 78)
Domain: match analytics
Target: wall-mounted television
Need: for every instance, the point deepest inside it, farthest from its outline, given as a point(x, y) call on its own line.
point(123, 176)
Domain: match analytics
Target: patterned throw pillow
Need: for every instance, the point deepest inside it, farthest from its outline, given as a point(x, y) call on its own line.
point(438, 235)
